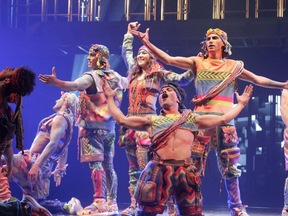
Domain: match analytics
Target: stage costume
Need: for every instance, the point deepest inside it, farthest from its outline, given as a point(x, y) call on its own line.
point(162, 178)
point(22, 163)
point(136, 143)
point(97, 136)
point(7, 127)
point(285, 209)
point(223, 139)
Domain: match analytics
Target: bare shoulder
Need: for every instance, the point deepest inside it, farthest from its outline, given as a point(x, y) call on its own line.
point(59, 120)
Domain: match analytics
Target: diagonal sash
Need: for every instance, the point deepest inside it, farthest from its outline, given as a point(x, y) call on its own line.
point(237, 70)
point(164, 136)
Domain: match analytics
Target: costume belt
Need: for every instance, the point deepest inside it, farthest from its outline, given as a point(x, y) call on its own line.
point(171, 162)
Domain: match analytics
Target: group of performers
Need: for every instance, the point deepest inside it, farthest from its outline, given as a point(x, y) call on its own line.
point(166, 152)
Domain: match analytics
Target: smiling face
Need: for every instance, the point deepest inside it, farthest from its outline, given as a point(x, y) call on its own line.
point(143, 58)
point(214, 43)
point(92, 60)
point(168, 97)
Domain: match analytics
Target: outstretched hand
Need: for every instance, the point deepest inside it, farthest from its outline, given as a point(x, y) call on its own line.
point(49, 79)
point(107, 89)
point(133, 26)
point(144, 37)
point(244, 98)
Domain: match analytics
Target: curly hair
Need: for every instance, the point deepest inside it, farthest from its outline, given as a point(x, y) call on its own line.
point(136, 70)
point(23, 81)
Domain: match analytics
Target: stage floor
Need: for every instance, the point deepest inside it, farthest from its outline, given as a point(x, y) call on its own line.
point(221, 211)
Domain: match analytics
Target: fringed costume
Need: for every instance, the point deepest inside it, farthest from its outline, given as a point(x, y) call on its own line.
point(162, 178)
point(136, 143)
point(22, 163)
point(96, 139)
point(215, 86)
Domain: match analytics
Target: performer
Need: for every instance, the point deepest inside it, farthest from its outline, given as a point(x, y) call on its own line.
point(171, 170)
point(146, 78)
point(14, 84)
point(32, 170)
point(96, 126)
point(214, 80)
point(284, 114)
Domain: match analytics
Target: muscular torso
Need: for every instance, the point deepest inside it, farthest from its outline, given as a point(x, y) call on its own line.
point(178, 146)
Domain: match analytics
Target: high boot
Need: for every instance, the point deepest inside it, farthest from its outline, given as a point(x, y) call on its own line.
point(99, 203)
point(234, 198)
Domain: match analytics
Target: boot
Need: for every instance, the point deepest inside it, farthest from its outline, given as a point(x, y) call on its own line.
point(130, 210)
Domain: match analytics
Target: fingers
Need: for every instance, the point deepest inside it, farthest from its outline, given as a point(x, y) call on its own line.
point(237, 95)
point(248, 90)
point(147, 31)
point(53, 71)
point(43, 78)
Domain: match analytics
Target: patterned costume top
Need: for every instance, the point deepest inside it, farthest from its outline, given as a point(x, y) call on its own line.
point(44, 130)
point(93, 109)
point(140, 89)
point(209, 74)
point(7, 127)
point(162, 122)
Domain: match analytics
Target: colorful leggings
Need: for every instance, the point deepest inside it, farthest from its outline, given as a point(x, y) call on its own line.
point(97, 148)
point(225, 138)
point(136, 147)
point(158, 182)
point(286, 165)
point(22, 165)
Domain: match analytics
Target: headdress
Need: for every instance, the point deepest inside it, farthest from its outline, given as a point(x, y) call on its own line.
point(102, 53)
point(72, 102)
point(224, 37)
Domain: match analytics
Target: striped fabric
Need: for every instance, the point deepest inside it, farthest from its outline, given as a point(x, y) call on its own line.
point(209, 74)
point(286, 147)
point(161, 123)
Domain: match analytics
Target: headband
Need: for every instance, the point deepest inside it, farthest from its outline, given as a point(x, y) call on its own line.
point(223, 35)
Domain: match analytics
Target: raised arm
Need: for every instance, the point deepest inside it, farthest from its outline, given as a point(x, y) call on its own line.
point(262, 81)
point(209, 121)
point(81, 83)
point(133, 122)
point(185, 63)
point(58, 128)
point(182, 79)
point(127, 47)
point(284, 107)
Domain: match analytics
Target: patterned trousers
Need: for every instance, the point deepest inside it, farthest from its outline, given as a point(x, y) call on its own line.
point(224, 139)
point(22, 165)
point(159, 181)
point(97, 148)
point(136, 147)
